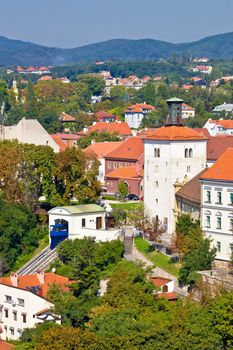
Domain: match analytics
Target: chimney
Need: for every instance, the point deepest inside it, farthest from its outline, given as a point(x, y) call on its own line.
point(14, 279)
point(40, 276)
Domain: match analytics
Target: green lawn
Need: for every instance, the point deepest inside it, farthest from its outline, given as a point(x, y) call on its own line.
point(158, 259)
point(127, 206)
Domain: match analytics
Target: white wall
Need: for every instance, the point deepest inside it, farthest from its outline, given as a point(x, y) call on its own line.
point(32, 304)
point(214, 210)
point(32, 132)
point(134, 119)
point(216, 129)
point(160, 174)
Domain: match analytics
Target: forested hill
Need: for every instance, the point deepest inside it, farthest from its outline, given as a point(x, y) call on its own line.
point(16, 52)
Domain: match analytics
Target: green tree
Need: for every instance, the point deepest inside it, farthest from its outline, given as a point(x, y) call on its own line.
point(95, 83)
point(97, 136)
point(123, 189)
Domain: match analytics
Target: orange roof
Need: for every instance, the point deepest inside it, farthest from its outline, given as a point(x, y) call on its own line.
point(159, 281)
point(222, 169)
point(139, 107)
point(174, 133)
point(125, 173)
point(226, 124)
point(59, 142)
point(28, 281)
point(203, 131)
point(167, 295)
point(102, 148)
point(132, 148)
point(46, 77)
point(67, 118)
point(187, 107)
point(187, 86)
point(5, 346)
point(217, 145)
point(121, 128)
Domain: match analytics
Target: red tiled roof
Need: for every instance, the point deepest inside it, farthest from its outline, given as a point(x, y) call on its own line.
point(5, 346)
point(168, 296)
point(125, 173)
point(222, 169)
point(159, 281)
point(217, 145)
point(226, 124)
point(43, 69)
point(101, 149)
point(187, 107)
point(203, 131)
point(45, 77)
point(59, 142)
point(122, 128)
point(174, 133)
point(102, 114)
point(73, 137)
point(187, 86)
point(27, 281)
point(139, 107)
point(191, 190)
point(67, 118)
point(132, 148)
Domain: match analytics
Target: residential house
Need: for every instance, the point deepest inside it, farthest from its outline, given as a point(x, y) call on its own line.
point(79, 221)
point(187, 111)
point(165, 288)
point(216, 146)
point(23, 301)
point(117, 127)
point(103, 116)
point(129, 154)
point(217, 204)
point(65, 140)
point(188, 198)
point(135, 114)
point(225, 108)
point(28, 131)
point(68, 122)
point(172, 154)
point(220, 126)
point(101, 149)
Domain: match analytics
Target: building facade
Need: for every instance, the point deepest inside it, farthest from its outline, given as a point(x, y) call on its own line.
point(173, 155)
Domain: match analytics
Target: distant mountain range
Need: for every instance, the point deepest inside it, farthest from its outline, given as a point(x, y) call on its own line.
point(17, 52)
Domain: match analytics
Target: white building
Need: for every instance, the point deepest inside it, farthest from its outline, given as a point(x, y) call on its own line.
point(219, 127)
point(23, 303)
point(224, 108)
point(135, 114)
point(217, 205)
point(173, 154)
point(79, 221)
point(187, 111)
point(28, 131)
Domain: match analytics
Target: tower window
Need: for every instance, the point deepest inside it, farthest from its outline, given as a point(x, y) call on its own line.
point(186, 153)
point(190, 153)
point(157, 152)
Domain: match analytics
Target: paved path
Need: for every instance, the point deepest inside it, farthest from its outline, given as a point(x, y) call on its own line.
point(156, 271)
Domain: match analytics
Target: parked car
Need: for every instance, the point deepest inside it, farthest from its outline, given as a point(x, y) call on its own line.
point(99, 202)
point(132, 197)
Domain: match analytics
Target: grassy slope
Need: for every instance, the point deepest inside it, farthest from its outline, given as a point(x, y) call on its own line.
point(159, 259)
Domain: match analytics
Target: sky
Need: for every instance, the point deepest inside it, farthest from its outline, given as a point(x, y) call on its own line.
point(73, 23)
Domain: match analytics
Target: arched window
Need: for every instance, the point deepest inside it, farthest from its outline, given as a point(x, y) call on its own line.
point(165, 289)
point(158, 152)
point(186, 153)
point(190, 153)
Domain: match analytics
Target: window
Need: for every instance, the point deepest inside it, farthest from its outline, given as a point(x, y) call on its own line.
point(83, 222)
point(6, 313)
point(156, 184)
point(15, 315)
point(8, 298)
point(231, 225)
point(218, 246)
point(24, 316)
point(231, 198)
point(156, 201)
point(186, 153)
point(190, 153)
point(219, 223)
point(219, 197)
point(188, 169)
point(207, 221)
point(156, 169)
point(208, 196)
point(156, 152)
point(12, 330)
point(20, 302)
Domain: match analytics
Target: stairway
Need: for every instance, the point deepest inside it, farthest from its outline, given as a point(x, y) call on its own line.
point(40, 262)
